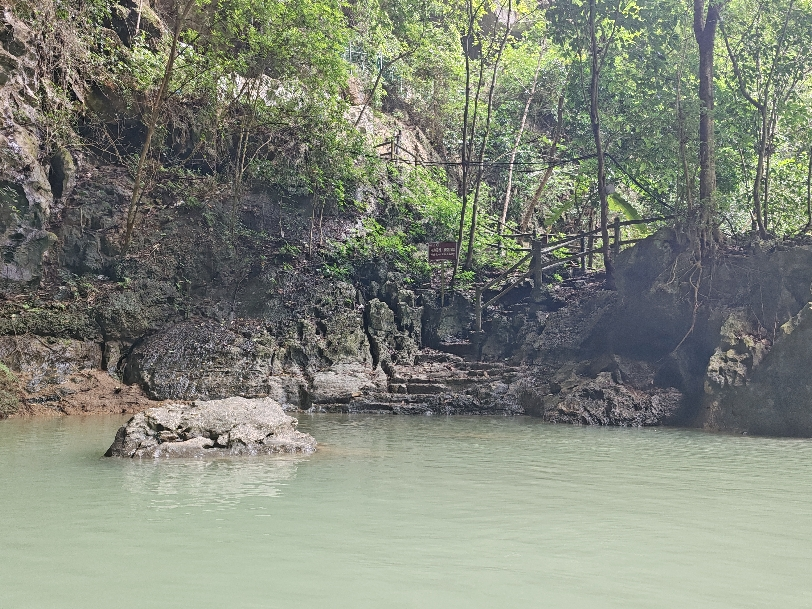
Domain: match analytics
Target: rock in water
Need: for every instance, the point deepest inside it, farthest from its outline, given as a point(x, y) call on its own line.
point(234, 426)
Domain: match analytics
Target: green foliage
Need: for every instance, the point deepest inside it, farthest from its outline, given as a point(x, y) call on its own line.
point(466, 279)
point(618, 203)
point(372, 243)
point(426, 204)
point(260, 97)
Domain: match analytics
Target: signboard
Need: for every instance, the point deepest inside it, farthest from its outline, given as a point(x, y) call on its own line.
point(444, 250)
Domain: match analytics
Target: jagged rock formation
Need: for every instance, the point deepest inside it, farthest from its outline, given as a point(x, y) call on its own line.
point(25, 192)
point(708, 343)
point(763, 387)
point(235, 426)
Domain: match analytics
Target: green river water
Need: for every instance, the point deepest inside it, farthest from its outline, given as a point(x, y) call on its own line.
point(409, 512)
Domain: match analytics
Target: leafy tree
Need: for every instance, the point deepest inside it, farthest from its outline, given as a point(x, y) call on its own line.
point(770, 49)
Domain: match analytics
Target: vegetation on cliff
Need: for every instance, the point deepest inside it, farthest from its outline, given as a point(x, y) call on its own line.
point(545, 117)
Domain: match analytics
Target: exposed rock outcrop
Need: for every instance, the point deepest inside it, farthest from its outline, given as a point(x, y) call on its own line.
point(25, 192)
point(234, 426)
point(761, 386)
point(604, 400)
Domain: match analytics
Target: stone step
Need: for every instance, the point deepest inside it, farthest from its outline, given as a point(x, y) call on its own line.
point(484, 366)
point(426, 388)
point(465, 350)
point(437, 357)
point(465, 382)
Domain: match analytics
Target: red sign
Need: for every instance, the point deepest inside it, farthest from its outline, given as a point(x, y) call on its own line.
point(445, 250)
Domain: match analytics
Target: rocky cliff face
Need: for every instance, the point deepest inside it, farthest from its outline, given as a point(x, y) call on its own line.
point(761, 385)
point(195, 310)
point(715, 343)
point(26, 194)
point(215, 300)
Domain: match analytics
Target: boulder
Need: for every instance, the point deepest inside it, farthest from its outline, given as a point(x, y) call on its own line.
point(234, 426)
point(345, 382)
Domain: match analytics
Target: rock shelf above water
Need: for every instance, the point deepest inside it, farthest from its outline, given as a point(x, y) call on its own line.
point(234, 426)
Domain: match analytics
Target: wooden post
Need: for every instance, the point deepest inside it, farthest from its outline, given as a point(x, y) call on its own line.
point(616, 249)
point(536, 265)
point(396, 149)
point(590, 245)
point(583, 255)
point(392, 150)
point(478, 309)
point(442, 285)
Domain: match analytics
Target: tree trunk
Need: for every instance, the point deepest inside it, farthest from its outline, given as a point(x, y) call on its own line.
point(138, 186)
point(464, 152)
point(368, 98)
point(530, 209)
point(384, 66)
point(469, 257)
point(758, 205)
point(594, 117)
point(506, 203)
point(768, 155)
point(809, 191)
point(705, 34)
point(683, 140)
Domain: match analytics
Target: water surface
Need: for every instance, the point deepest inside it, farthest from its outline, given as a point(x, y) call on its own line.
point(409, 512)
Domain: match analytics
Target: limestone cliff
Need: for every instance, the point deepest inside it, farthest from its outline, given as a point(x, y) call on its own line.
point(220, 296)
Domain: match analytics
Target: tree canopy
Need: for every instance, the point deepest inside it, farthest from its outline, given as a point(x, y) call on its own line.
point(539, 116)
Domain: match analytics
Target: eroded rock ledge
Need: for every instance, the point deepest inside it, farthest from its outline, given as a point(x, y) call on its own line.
point(234, 426)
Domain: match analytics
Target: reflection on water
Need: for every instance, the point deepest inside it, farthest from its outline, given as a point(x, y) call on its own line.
point(220, 483)
point(409, 512)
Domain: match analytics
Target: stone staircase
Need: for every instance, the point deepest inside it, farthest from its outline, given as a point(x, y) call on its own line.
point(441, 383)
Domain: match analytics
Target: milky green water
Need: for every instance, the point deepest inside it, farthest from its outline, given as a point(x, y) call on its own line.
point(409, 512)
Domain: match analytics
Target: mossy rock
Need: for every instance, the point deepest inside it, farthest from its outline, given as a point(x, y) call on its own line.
point(9, 397)
point(64, 322)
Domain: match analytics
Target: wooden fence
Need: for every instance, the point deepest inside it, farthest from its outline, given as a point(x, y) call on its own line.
point(539, 255)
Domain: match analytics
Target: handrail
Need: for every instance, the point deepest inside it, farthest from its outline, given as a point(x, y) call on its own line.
point(540, 249)
point(507, 289)
point(509, 249)
point(507, 272)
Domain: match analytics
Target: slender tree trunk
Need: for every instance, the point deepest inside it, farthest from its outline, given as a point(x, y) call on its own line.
point(594, 117)
point(138, 186)
point(384, 66)
point(530, 208)
point(705, 33)
point(371, 94)
point(768, 155)
point(467, 50)
point(809, 191)
point(767, 163)
point(138, 19)
point(683, 140)
point(506, 203)
point(469, 257)
point(758, 205)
